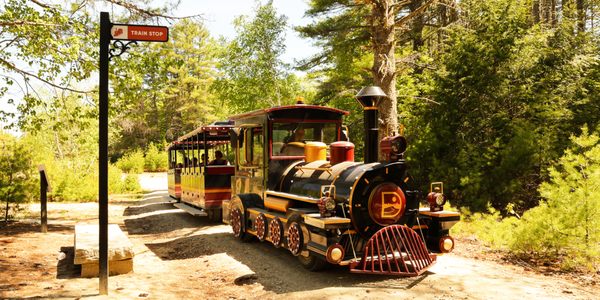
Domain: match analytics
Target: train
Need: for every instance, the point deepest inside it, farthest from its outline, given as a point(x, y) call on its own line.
point(286, 175)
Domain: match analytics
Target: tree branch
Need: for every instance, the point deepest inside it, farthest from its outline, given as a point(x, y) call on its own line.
point(401, 21)
point(25, 73)
point(401, 3)
point(148, 13)
point(41, 4)
point(22, 22)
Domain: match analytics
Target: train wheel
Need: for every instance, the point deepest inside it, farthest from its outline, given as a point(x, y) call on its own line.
point(236, 222)
point(276, 232)
point(295, 238)
point(261, 227)
point(312, 262)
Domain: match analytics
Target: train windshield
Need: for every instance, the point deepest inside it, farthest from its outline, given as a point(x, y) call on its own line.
point(289, 138)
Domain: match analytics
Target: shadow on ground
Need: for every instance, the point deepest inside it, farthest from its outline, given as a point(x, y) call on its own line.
point(276, 270)
point(15, 228)
point(66, 269)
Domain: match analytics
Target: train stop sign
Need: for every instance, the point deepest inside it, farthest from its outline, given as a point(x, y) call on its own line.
point(139, 33)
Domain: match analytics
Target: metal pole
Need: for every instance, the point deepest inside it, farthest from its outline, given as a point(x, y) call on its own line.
point(44, 200)
point(103, 150)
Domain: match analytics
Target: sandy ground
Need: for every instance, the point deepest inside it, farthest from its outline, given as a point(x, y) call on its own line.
point(180, 256)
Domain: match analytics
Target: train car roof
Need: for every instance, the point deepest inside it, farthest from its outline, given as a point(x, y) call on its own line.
point(277, 110)
point(216, 129)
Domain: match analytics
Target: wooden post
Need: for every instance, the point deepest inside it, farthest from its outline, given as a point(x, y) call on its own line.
point(44, 189)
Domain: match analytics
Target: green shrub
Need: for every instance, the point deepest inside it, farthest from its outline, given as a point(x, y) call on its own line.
point(567, 224)
point(132, 162)
point(489, 228)
point(131, 184)
point(156, 159)
point(115, 181)
point(16, 174)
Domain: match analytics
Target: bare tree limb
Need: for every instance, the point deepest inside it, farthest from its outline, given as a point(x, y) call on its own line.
point(402, 20)
point(401, 3)
point(23, 72)
point(22, 22)
point(148, 13)
point(41, 4)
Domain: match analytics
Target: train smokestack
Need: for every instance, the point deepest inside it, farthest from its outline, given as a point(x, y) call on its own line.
point(370, 97)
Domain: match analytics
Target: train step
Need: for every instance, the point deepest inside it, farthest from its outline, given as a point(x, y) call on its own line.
point(191, 210)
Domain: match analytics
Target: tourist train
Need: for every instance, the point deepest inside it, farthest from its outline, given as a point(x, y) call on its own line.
point(286, 175)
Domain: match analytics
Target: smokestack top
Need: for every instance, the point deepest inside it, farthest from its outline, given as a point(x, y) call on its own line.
point(370, 96)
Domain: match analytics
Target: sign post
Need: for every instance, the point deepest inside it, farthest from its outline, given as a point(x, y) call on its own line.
point(118, 33)
point(44, 189)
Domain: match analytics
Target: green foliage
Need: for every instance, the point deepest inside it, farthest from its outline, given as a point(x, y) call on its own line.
point(132, 162)
point(252, 73)
point(508, 95)
point(16, 173)
point(156, 159)
point(490, 228)
point(567, 223)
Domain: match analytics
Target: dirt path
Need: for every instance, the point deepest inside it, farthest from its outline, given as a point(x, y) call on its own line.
point(180, 256)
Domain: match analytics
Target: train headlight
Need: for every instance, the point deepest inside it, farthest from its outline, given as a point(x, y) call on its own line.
point(436, 197)
point(446, 244)
point(440, 199)
point(326, 206)
point(330, 204)
point(335, 254)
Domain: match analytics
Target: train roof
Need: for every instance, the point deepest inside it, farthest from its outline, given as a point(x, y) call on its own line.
point(216, 131)
point(276, 111)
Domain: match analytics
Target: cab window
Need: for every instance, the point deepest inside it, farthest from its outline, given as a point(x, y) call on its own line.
point(252, 150)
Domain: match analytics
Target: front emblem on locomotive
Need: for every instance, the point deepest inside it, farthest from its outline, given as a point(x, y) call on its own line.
point(391, 206)
point(386, 204)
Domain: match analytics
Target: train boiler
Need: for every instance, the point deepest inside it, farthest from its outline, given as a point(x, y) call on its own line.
point(297, 186)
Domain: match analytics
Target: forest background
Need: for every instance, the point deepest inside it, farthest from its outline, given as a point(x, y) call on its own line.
point(499, 99)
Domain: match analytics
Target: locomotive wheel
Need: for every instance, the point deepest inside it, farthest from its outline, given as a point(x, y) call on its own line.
point(260, 225)
point(295, 239)
point(236, 223)
point(312, 262)
point(276, 232)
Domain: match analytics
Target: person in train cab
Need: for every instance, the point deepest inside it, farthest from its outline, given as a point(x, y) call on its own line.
point(298, 136)
point(219, 160)
point(203, 158)
point(295, 144)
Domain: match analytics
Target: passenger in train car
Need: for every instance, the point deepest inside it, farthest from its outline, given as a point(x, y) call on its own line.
point(195, 162)
point(204, 160)
point(219, 160)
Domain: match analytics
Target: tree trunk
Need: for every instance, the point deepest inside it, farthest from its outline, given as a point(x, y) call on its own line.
point(535, 11)
point(384, 63)
point(580, 16)
point(418, 23)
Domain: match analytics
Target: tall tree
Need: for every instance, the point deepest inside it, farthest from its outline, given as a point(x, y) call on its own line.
point(252, 72)
point(341, 25)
